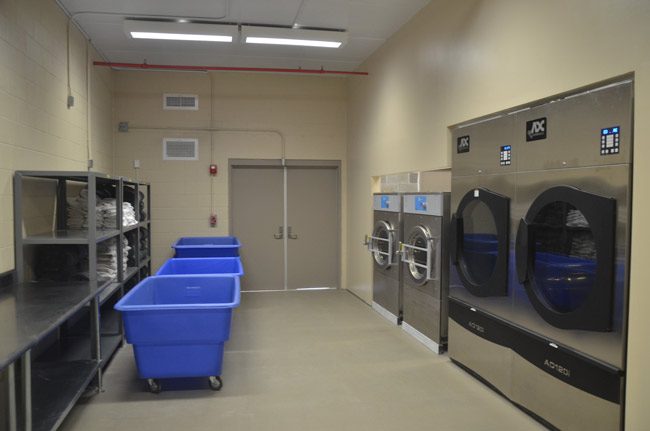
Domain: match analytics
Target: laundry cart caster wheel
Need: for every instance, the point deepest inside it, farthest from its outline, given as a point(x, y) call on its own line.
point(154, 386)
point(215, 383)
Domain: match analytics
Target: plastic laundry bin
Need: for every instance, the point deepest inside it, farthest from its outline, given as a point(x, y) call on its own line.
point(203, 265)
point(178, 325)
point(214, 246)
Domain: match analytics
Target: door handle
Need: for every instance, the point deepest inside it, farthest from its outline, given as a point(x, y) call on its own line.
point(456, 238)
point(280, 233)
point(290, 235)
point(523, 250)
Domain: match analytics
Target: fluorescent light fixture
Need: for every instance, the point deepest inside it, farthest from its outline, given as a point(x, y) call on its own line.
point(292, 42)
point(183, 31)
point(293, 37)
point(180, 36)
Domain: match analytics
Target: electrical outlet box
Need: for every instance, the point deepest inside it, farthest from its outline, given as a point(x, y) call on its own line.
point(136, 164)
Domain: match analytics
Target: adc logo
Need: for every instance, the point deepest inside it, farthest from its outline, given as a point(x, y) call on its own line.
point(536, 129)
point(462, 144)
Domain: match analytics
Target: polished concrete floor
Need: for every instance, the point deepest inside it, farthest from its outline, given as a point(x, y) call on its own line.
point(313, 361)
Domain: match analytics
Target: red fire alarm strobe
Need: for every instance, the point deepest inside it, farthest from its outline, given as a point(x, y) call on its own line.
point(213, 220)
point(213, 170)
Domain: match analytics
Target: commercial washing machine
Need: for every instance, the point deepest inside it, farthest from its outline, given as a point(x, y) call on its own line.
point(572, 209)
point(480, 291)
point(425, 266)
point(383, 245)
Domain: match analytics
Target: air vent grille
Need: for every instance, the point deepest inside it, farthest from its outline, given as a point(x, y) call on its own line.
point(180, 149)
point(181, 102)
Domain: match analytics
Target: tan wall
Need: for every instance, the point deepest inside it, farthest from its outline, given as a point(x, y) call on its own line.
point(459, 60)
point(309, 111)
point(37, 130)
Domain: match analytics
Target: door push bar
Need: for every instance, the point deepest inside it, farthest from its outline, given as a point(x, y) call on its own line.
point(402, 251)
point(369, 241)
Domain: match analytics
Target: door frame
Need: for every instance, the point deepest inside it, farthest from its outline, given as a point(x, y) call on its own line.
point(285, 164)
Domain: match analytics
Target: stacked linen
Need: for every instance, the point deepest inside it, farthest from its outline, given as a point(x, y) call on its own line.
point(128, 215)
point(78, 212)
point(108, 210)
point(105, 212)
point(107, 259)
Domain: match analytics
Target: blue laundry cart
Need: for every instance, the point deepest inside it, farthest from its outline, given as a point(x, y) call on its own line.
point(178, 326)
point(212, 246)
point(203, 266)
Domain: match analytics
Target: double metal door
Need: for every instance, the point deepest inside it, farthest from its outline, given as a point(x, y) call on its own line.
point(288, 221)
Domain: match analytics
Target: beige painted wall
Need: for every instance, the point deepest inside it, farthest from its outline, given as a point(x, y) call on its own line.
point(37, 130)
point(311, 113)
point(459, 60)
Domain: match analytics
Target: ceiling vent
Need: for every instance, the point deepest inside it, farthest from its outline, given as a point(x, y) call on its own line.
point(180, 149)
point(186, 102)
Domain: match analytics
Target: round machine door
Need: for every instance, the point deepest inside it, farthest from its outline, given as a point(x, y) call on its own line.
point(480, 242)
point(565, 258)
point(420, 255)
point(382, 244)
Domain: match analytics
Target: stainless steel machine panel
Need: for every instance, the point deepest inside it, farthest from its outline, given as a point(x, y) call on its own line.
point(427, 204)
point(483, 148)
point(383, 244)
point(590, 129)
point(425, 268)
point(480, 344)
point(388, 202)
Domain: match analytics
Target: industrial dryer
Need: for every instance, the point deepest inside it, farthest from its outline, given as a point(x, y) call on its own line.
point(539, 290)
point(383, 245)
point(572, 251)
point(425, 268)
point(480, 296)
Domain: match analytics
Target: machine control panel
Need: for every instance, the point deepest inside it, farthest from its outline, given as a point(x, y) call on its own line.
point(506, 155)
point(387, 202)
point(610, 141)
point(420, 203)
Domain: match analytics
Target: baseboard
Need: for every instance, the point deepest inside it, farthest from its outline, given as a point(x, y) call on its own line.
point(385, 313)
point(428, 342)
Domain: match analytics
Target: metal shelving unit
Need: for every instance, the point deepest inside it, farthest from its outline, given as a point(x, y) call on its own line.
point(65, 356)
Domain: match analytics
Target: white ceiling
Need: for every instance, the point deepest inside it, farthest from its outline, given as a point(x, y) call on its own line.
point(368, 22)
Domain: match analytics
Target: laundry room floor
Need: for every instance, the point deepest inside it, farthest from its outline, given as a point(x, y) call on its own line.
point(310, 360)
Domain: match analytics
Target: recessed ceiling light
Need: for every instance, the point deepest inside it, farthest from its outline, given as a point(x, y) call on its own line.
point(180, 36)
point(293, 37)
point(293, 42)
point(184, 31)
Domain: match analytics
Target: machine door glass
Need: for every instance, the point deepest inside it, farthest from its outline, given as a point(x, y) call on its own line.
point(565, 257)
point(480, 242)
point(382, 244)
point(420, 254)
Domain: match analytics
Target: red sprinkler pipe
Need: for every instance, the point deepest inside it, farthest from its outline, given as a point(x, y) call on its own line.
point(146, 66)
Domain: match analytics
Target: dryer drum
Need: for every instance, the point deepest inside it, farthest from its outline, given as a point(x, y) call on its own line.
point(565, 257)
point(480, 241)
